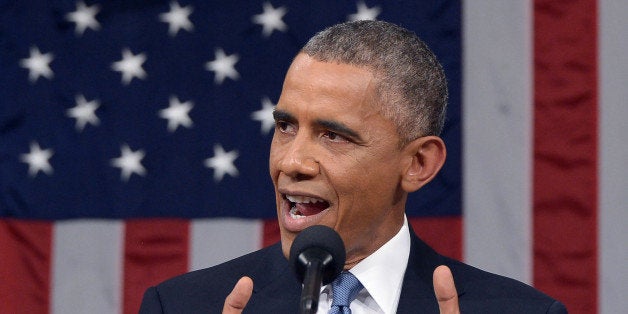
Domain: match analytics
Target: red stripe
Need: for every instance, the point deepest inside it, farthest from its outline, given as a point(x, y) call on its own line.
point(271, 232)
point(443, 234)
point(25, 266)
point(155, 250)
point(565, 152)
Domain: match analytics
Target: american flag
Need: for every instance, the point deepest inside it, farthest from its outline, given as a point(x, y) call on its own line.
point(134, 138)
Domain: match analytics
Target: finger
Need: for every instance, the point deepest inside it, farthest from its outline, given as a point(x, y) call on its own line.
point(239, 296)
point(445, 290)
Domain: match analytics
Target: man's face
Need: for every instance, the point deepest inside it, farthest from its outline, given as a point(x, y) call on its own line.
point(334, 159)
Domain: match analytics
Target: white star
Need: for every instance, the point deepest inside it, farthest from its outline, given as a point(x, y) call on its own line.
point(84, 17)
point(38, 65)
point(271, 19)
point(129, 162)
point(265, 115)
point(223, 66)
point(130, 66)
point(177, 114)
point(177, 18)
point(84, 112)
point(365, 13)
point(37, 160)
point(222, 163)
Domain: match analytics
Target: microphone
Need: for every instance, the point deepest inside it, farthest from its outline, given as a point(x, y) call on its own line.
point(317, 256)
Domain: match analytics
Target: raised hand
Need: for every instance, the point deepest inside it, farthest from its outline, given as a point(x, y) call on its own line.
point(445, 290)
point(239, 296)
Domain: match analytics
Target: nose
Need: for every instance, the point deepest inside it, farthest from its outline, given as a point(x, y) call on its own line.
point(298, 160)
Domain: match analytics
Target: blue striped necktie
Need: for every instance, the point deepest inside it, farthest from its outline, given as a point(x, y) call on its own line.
point(345, 288)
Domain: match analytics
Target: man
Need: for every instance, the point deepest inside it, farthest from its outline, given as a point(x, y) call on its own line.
point(357, 127)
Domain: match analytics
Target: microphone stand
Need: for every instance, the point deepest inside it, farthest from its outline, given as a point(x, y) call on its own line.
point(317, 256)
point(311, 287)
point(314, 259)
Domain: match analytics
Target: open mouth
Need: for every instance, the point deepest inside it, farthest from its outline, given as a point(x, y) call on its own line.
point(303, 206)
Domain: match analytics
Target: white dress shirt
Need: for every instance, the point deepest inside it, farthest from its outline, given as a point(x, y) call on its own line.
point(381, 274)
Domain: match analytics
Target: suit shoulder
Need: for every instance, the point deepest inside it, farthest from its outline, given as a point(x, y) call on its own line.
point(233, 269)
point(207, 288)
point(481, 290)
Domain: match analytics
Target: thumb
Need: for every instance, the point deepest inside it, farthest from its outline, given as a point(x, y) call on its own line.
point(239, 296)
point(445, 290)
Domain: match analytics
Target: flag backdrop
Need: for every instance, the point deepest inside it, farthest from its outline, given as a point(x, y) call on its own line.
point(134, 138)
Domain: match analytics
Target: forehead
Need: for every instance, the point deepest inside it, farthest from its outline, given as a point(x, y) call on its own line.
point(338, 87)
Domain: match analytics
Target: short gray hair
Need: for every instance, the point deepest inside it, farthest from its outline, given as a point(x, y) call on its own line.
point(411, 84)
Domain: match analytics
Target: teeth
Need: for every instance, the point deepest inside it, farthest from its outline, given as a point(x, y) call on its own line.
point(295, 214)
point(303, 199)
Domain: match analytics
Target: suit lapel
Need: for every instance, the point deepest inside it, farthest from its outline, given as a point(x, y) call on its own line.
point(417, 292)
point(276, 288)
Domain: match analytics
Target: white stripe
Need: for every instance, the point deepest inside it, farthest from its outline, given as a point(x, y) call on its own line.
point(87, 267)
point(497, 136)
point(214, 241)
point(613, 205)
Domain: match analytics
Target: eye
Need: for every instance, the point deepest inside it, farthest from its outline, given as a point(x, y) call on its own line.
point(284, 126)
point(335, 137)
point(281, 125)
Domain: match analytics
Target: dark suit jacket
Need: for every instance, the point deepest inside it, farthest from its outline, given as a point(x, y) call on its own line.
point(276, 289)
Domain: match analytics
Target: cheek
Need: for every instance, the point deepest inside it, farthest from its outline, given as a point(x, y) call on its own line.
point(372, 170)
point(273, 159)
point(369, 186)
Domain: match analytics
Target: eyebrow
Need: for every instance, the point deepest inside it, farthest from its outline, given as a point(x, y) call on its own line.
point(339, 128)
point(280, 115)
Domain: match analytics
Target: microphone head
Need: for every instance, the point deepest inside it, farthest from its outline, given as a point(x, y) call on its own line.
point(322, 243)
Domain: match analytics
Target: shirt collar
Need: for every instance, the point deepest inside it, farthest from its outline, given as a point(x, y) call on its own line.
point(381, 273)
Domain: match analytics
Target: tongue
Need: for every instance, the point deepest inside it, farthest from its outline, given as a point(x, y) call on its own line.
point(308, 209)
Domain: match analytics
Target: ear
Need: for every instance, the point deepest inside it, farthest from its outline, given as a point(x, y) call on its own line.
point(425, 156)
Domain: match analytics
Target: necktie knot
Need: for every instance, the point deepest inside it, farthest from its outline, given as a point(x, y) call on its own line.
point(345, 288)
